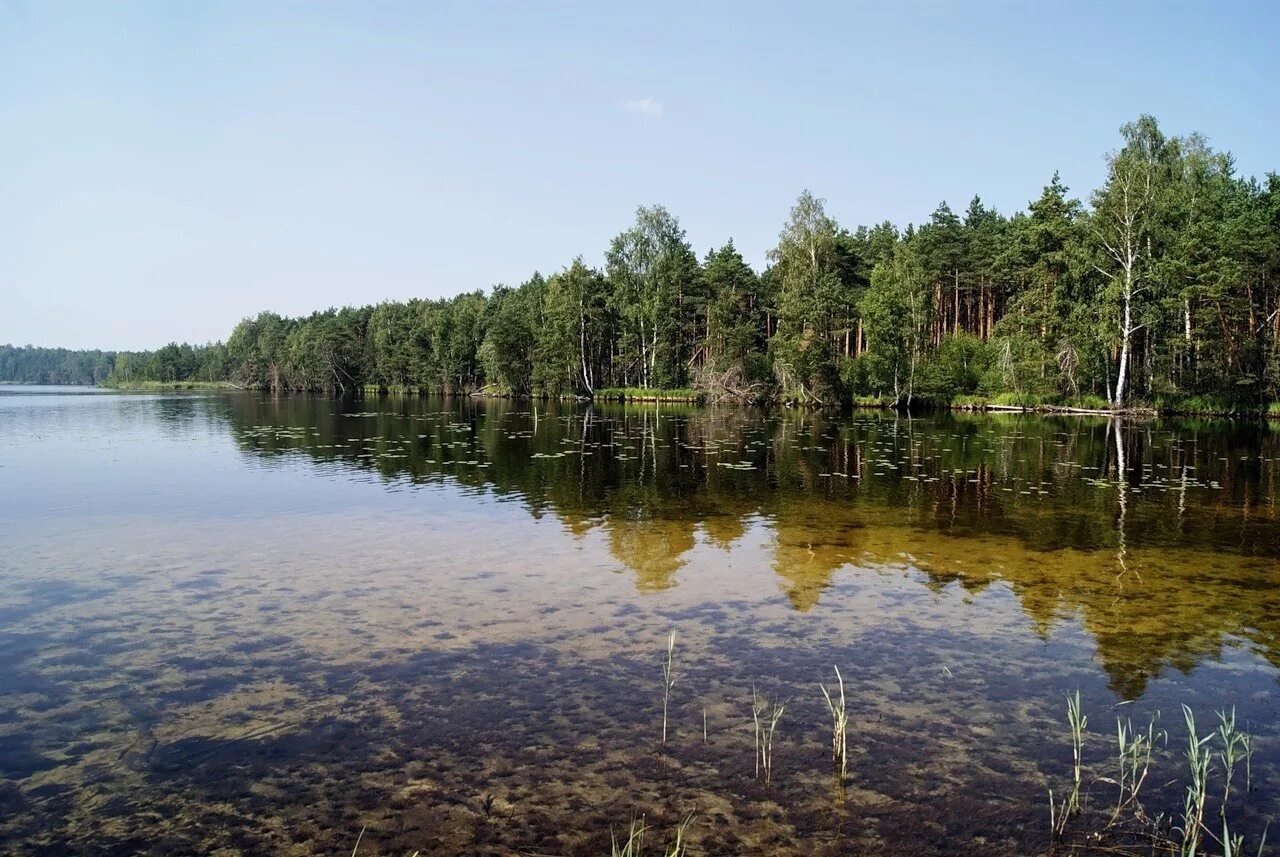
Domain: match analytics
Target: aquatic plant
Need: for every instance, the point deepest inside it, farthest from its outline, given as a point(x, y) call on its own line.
point(633, 845)
point(1060, 814)
point(1233, 844)
point(1246, 745)
point(1198, 762)
point(679, 848)
point(1133, 750)
point(758, 705)
point(1234, 745)
point(1077, 722)
point(668, 681)
point(839, 725)
point(704, 724)
point(765, 715)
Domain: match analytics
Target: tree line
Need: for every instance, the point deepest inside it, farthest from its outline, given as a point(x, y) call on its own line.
point(28, 364)
point(1162, 288)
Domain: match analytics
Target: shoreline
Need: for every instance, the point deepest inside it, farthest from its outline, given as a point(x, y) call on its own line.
point(700, 399)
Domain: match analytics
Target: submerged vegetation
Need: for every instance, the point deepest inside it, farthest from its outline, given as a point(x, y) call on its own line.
point(458, 640)
point(633, 845)
point(1124, 827)
point(839, 727)
point(1162, 291)
point(669, 682)
point(1130, 829)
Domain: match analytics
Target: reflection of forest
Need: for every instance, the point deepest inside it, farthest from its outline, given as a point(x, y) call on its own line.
point(1161, 571)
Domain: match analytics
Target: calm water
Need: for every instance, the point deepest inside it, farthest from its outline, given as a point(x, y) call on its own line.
point(235, 624)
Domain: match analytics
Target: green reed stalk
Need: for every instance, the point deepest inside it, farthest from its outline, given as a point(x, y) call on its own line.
point(758, 706)
point(680, 848)
point(668, 681)
point(768, 728)
point(1234, 745)
point(634, 843)
point(839, 728)
point(1134, 749)
point(1077, 722)
point(1246, 745)
point(1233, 845)
point(1198, 762)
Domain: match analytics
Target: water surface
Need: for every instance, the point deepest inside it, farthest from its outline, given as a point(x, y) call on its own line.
point(235, 624)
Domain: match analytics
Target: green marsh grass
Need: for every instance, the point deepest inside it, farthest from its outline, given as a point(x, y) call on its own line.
point(1133, 752)
point(679, 848)
point(757, 709)
point(1078, 722)
point(1231, 752)
point(668, 681)
point(765, 715)
point(839, 727)
point(1060, 814)
point(1184, 835)
point(1246, 746)
point(633, 845)
point(1199, 759)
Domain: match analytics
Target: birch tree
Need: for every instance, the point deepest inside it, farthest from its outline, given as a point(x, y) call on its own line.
point(1123, 222)
point(651, 267)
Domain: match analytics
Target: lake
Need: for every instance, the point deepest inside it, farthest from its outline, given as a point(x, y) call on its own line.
point(238, 624)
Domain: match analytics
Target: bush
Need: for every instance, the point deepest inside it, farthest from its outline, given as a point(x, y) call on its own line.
point(648, 394)
point(956, 368)
point(867, 375)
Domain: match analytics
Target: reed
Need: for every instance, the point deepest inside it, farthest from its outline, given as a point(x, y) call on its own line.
point(1234, 744)
point(1134, 749)
point(1198, 761)
point(680, 848)
point(1061, 813)
point(839, 728)
point(1231, 845)
point(758, 705)
point(765, 715)
point(633, 844)
point(1246, 746)
point(668, 681)
point(1078, 722)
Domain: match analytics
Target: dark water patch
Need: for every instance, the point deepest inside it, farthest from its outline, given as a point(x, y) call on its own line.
point(18, 760)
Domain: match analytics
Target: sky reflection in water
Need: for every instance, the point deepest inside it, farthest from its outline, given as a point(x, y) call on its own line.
point(258, 625)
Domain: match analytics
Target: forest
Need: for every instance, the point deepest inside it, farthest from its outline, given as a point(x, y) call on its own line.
point(1161, 290)
point(31, 365)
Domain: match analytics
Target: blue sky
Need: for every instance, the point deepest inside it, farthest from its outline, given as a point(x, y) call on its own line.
point(172, 167)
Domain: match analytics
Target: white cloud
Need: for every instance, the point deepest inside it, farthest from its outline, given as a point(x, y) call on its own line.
point(646, 106)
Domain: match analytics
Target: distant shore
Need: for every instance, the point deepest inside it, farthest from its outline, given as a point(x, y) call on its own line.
point(970, 404)
point(160, 386)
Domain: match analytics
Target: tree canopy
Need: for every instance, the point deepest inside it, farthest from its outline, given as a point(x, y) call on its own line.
point(1165, 286)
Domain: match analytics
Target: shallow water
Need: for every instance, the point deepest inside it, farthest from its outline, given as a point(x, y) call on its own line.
point(236, 624)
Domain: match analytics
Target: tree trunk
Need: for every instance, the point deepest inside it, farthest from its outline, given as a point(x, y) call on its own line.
point(1126, 334)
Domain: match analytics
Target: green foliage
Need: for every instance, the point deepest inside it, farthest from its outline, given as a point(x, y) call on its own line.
point(1164, 291)
point(32, 365)
point(957, 368)
point(649, 394)
point(896, 310)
